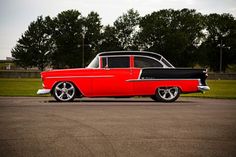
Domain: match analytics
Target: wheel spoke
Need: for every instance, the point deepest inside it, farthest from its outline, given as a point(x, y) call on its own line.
point(171, 94)
point(58, 89)
point(61, 95)
point(68, 95)
point(71, 88)
point(64, 85)
point(164, 96)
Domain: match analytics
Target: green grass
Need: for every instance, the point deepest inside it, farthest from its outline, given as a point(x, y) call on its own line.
point(19, 87)
point(222, 89)
point(225, 89)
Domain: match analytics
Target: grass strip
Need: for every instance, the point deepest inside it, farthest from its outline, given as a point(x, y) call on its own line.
point(222, 89)
point(19, 87)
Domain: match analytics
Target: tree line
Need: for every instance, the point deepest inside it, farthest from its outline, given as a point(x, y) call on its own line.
point(185, 37)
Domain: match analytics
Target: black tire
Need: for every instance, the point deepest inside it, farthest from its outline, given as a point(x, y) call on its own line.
point(166, 94)
point(153, 97)
point(64, 91)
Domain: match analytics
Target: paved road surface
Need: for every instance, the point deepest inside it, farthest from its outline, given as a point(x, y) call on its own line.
point(117, 128)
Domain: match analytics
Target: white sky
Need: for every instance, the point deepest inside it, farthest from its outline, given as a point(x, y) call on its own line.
point(16, 15)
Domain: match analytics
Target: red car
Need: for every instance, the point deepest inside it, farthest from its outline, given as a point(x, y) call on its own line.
point(124, 74)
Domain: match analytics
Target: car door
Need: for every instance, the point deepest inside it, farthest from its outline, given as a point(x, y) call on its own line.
point(114, 73)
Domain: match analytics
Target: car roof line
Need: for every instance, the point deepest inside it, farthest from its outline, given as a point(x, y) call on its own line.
point(130, 53)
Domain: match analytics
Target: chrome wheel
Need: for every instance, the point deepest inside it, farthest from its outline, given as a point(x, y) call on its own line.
point(64, 91)
point(167, 94)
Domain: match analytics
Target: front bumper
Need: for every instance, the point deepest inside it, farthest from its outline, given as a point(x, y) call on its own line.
point(43, 91)
point(203, 88)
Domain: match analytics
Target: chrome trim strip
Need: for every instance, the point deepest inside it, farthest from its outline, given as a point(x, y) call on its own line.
point(159, 61)
point(162, 58)
point(43, 91)
point(139, 80)
point(127, 55)
point(102, 53)
point(102, 76)
point(140, 73)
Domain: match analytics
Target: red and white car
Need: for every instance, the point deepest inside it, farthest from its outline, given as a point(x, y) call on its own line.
point(124, 74)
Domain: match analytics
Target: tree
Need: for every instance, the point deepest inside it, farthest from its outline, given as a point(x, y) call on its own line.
point(221, 37)
point(174, 33)
point(185, 37)
point(66, 34)
point(34, 45)
point(92, 24)
point(126, 29)
point(109, 40)
point(76, 38)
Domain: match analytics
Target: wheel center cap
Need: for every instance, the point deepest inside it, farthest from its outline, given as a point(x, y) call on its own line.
point(64, 90)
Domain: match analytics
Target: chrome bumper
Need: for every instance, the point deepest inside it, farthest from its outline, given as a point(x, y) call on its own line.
point(203, 88)
point(43, 91)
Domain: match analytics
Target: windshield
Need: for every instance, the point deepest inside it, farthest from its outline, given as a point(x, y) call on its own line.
point(94, 63)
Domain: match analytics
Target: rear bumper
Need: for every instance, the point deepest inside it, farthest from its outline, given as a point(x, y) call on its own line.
point(203, 88)
point(43, 91)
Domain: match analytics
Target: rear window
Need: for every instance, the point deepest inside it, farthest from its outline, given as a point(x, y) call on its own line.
point(142, 62)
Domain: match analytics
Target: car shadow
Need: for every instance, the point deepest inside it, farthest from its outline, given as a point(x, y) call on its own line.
point(132, 101)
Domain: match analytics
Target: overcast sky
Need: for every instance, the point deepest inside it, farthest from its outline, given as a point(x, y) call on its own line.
point(16, 15)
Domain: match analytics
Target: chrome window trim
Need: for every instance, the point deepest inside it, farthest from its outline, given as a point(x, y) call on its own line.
point(104, 53)
point(127, 55)
point(140, 73)
point(162, 58)
point(159, 61)
point(114, 56)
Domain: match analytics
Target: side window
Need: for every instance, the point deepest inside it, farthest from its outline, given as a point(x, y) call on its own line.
point(142, 62)
point(115, 62)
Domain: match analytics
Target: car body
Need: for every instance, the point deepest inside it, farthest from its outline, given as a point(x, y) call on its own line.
point(124, 74)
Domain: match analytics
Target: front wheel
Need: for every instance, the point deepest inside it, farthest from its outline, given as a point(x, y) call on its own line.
point(64, 91)
point(166, 94)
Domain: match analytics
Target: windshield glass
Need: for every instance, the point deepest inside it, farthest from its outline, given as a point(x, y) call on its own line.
point(94, 63)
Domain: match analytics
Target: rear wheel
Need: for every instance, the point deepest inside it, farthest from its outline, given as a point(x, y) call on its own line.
point(64, 91)
point(166, 94)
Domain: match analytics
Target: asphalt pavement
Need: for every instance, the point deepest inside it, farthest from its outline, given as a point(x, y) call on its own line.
point(109, 127)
